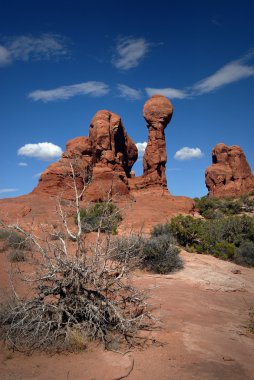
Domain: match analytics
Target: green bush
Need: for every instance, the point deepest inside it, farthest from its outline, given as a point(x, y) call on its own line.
point(186, 229)
point(161, 229)
point(215, 208)
point(104, 216)
point(245, 254)
point(230, 238)
point(13, 239)
point(161, 255)
point(158, 254)
point(224, 250)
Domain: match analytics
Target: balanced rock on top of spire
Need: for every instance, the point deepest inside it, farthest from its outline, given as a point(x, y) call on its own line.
point(157, 112)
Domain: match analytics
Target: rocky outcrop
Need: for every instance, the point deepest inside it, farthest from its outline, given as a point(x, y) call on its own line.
point(157, 112)
point(113, 155)
point(106, 156)
point(230, 173)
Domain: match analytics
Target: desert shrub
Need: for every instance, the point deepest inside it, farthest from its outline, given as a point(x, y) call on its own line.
point(215, 208)
point(229, 238)
point(248, 203)
point(17, 255)
point(158, 254)
point(233, 229)
point(161, 255)
point(104, 216)
point(186, 229)
point(76, 293)
point(161, 229)
point(245, 254)
point(76, 297)
point(13, 239)
point(224, 250)
point(208, 207)
point(128, 249)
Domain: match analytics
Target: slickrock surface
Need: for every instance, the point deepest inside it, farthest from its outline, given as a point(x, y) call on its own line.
point(203, 312)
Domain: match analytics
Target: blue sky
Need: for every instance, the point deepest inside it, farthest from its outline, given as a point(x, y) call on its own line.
point(61, 61)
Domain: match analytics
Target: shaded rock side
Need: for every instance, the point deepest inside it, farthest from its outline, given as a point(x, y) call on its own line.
point(157, 112)
point(230, 174)
point(106, 157)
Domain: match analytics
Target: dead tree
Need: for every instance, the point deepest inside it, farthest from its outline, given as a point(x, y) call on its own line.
point(78, 293)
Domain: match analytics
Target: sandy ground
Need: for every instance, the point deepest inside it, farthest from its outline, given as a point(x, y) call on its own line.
point(203, 311)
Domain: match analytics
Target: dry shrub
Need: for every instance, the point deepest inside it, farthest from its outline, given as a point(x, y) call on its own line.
point(77, 296)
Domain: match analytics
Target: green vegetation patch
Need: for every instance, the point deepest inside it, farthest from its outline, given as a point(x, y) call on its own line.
point(215, 208)
point(158, 254)
point(229, 238)
point(105, 216)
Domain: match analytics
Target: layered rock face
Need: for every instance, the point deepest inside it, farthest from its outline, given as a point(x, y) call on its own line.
point(157, 112)
point(107, 155)
point(230, 173)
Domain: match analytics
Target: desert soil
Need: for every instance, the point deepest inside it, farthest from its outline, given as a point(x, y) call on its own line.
point(203, 311)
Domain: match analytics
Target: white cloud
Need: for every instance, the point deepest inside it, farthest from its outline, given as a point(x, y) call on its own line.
point(66, 92)
point(7, 190)
point(43, 151)
point(129, 52)
point(128, 92)
point(22, 164)
point(26, 48)
point(5, 57)
point(232, 72)
point(186, 153)
point(141, 148)
point(169, 92)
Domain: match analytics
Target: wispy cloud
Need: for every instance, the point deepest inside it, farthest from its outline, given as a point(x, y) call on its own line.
point(129, 92)
point(2, 191)
point(169, 92)
point(22, 164)
point(29, 48)
point(43, 151)
point(233, 71)
point(141, 148)
point(187, 153)
point(5, 56)
point(90, 88)
point(129, 52)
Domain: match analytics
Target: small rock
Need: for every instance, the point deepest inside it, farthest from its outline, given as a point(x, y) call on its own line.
point(236, 271)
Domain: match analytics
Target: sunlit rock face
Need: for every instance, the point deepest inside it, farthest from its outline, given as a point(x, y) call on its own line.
point(157, 112)
point(230, 174)
point(106, 157)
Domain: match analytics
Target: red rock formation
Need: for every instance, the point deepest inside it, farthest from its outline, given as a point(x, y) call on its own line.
point(108, 154)
point(113, 155)
point(57, 178)
point(157, 112)
point(230, 173)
